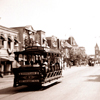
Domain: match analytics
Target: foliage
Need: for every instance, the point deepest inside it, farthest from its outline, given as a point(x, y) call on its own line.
point(77, 54)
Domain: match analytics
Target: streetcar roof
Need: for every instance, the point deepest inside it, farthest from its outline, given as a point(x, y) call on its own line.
point(38, 50)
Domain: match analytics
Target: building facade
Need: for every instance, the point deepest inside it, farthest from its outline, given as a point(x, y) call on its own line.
point(8, 45)
point(23, 35)
point(29, 37)
point(97, 51)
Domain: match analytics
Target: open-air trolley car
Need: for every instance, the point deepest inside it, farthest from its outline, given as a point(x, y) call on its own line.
point(38, 66)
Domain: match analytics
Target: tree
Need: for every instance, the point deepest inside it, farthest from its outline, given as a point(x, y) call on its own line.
point(77, 55)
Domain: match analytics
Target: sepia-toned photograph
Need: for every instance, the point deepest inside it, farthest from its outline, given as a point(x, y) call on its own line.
point(49, 49)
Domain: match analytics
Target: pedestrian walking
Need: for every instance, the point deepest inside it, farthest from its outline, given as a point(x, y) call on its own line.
point(70, 63)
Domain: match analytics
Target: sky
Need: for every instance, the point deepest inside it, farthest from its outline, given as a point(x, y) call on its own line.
point(61, 18)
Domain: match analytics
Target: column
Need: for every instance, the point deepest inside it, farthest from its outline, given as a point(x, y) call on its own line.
point(2, 70)
point(12, 46)
point(5, 44)
point(9, 69)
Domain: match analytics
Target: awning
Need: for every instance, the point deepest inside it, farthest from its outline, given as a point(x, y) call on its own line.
point(6, 59)
point(49, 50)
point(3, 37)
point(9, 51)
point(16, 40)
point(67, 45)
point(30, 28)
point(10, 39)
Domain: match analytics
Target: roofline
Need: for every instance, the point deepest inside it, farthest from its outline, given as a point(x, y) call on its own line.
point(21, 26)
point(8, 29)
point(40, 30)
point(24, 27)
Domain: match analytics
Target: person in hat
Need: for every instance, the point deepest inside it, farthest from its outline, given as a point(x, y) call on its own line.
point(57, 64)
point(45, 64)
point(36, 44)
point(45, 44)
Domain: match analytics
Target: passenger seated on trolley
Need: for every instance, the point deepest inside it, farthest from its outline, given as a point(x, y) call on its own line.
point(45, 64)
point(57, 65)
point(31, 62)
point(36, 64)
point(52, 65)
point(26, 62)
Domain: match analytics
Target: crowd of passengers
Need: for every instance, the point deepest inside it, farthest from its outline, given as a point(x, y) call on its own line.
point(50, 65)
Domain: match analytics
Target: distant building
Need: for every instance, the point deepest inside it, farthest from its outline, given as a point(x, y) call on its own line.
point(66, 48)
point(72, 41)
point(97, 51)
point(52, 42)
point(9, 42)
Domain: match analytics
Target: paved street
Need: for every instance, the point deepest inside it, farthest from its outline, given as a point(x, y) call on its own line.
point(78, 83)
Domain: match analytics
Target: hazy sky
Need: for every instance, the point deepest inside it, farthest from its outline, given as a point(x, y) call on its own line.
point(62, 18)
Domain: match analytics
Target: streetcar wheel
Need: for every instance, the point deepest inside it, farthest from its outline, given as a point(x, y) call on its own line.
point(14, 85)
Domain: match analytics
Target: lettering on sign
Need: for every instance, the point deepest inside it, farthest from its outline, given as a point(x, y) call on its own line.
point(21, 81)
point(29, 73)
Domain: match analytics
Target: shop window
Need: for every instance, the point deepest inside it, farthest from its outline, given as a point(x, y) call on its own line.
point(1, 43)
point(15, 40)
point(9, 42)
point(16, 43)
point(2, 39)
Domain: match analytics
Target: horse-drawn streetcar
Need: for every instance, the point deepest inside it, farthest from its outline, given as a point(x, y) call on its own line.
point(38, 66)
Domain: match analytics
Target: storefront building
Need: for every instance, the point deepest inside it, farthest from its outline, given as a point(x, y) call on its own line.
point(8, 45)
point(36, 36)
point(24, 33)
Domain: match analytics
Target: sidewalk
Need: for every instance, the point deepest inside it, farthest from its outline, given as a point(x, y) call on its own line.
point(6, 81)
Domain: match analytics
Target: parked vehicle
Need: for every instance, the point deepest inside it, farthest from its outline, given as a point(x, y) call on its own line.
point(91, 62)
